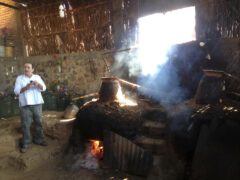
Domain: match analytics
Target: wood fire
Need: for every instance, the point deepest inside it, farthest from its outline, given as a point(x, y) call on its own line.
point(123, 101)
point(96, 148)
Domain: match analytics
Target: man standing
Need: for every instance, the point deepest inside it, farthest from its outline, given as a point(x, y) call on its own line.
point(29, 87)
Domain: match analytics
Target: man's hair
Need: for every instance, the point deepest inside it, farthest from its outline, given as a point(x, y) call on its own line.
point(30, 64)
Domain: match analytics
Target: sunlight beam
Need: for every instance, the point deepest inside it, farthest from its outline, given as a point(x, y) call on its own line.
point(158, 32)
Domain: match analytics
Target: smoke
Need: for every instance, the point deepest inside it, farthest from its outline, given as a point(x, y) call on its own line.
point(156, 73)
point(164, 86)
point(126, 64)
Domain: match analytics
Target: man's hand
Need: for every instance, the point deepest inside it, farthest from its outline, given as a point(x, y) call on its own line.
point(37, 85)
point(28, 86)
point(31, 85)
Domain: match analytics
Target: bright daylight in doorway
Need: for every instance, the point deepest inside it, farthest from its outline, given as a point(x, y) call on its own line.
point(158, 32)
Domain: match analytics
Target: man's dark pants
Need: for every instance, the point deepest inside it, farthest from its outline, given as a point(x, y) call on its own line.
point(28, 114)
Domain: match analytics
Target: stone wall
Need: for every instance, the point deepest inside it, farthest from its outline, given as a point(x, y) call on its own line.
point(9, 69)
point(79, 73)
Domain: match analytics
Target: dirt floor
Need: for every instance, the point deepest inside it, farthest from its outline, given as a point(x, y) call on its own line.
point(49, 162)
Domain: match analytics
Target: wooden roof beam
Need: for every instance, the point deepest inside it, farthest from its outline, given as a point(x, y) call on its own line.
point(8, 5)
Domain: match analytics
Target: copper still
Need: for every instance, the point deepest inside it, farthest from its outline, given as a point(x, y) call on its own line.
point(109, 89)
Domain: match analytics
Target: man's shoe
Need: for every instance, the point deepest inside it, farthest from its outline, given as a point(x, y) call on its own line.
point(43, 143)
point(23, 149)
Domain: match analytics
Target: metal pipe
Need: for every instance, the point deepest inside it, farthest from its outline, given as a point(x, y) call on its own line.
point(8, 5)
point(128, 83)
point(121, 50)
point(84, 96)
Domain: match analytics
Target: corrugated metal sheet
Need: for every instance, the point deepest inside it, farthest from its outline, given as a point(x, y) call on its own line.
point(122, 154)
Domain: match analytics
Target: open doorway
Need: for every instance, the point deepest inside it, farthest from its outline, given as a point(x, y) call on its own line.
point(158, 32)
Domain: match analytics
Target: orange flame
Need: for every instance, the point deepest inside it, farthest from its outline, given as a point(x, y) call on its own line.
point(97, 148)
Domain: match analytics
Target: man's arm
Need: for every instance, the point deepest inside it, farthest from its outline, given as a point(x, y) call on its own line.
point(40, 84)
point(18, 89)
point(28, 86)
